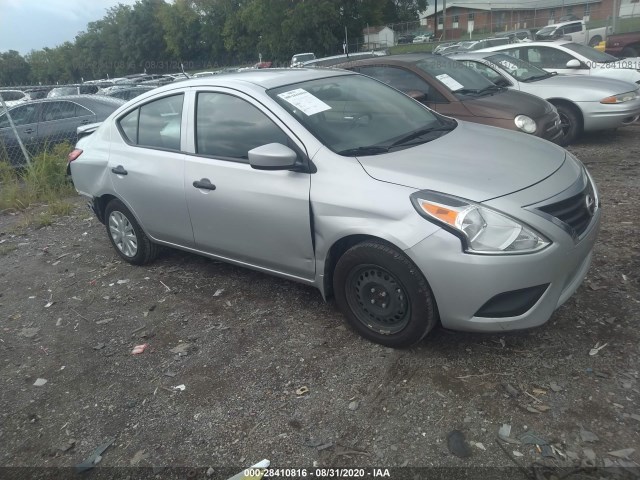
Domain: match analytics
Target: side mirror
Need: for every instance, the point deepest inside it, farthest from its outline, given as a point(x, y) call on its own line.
point(574, 63)
point(273, 156)
point(417, 95)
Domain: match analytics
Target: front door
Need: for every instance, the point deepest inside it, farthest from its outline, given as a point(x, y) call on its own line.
point(255, 217)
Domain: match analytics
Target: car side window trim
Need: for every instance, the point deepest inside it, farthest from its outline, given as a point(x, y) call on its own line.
point(138, 107)
point(293, 142)
point(77, 105)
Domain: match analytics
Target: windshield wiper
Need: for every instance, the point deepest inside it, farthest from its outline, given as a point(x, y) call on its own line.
point(465, 91)
point(404, 141)
point(369, 150)
point(537, 77)
point(491, 88)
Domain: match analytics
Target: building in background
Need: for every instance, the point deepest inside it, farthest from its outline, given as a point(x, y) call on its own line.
point(459, 18)
point(378, 37)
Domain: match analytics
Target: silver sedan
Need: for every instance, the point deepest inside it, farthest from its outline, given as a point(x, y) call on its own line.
point(584, 103)
point(330, 178)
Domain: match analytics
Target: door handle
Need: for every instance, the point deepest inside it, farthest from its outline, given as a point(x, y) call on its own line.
point(84, 122)
point(205, 184)
point(119, 170)
point(29, 130)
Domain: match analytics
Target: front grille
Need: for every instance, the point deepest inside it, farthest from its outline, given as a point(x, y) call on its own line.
point(576, 212)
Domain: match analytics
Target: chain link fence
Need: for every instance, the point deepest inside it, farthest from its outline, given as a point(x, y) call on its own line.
point(31, 129)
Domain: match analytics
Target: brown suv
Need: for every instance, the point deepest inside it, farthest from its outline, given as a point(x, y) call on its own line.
point(452, 89)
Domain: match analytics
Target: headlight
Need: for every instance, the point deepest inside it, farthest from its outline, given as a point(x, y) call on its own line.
point(481, 229)
point(623, 97)
point(526, 124)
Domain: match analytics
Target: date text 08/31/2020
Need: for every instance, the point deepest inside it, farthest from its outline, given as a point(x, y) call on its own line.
point(317, 472)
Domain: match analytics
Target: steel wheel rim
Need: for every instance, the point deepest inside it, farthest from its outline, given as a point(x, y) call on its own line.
point(378, 299)
point(123, 234)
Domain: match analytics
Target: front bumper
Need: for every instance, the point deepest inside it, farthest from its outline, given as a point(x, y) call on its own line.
point(549, 127)
point(598, 116)
point(463, 283)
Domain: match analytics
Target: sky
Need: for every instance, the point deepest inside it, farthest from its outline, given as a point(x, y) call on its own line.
point(27, 25)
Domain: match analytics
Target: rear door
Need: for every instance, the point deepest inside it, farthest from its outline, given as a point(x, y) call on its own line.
point(59, 121)
point(146, 165)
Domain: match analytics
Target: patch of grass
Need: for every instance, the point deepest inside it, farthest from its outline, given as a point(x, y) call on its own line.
point(6, 249)
point(44, 181)
point(44, 219)
point(60, 208)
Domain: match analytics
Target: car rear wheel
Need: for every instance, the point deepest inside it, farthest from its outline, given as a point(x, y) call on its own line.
point(383, 295)
point(570, 123)
point(127, 236)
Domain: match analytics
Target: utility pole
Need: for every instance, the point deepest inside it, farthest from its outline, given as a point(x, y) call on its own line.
point(435, 25)
point(346, 41)
point(444, 19)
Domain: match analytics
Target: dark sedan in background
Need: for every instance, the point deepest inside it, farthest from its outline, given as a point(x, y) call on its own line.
point(127, 93)
point(44, 123)
point(458, 91)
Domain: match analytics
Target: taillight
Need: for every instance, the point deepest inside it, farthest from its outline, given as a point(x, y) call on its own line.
point(74, 154)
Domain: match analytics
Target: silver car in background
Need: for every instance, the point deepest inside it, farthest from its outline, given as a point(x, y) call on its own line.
point(336, 180)
point(584, 103)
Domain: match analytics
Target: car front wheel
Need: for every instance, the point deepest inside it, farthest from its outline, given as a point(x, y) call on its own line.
point(383, 295)
point(570, 123)
point(127, 236)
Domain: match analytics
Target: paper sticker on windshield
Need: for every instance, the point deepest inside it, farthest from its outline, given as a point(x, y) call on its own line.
point(508, 65)
point(304, 101)
point(452, 83)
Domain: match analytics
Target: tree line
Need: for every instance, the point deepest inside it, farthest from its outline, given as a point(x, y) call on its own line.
point(157, 37)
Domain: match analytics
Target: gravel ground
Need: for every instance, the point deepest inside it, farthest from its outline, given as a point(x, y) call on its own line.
point(271, 371)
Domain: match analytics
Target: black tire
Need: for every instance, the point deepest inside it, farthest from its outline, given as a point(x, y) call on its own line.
point(631, 51)
point(372, 273)
point(571, 124)
point(595, 41)
point(119, 219)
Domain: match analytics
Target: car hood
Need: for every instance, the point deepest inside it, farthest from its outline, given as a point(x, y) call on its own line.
point(506, 105)
point(473, 161)
point(575, 84)
point(627, 69)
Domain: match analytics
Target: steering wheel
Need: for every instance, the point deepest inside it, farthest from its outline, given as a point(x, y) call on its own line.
point(360, 120)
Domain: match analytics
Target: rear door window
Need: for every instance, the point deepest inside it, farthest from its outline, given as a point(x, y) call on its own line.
point(155, 124)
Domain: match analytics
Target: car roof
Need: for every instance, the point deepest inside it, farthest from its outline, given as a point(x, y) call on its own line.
point(266, 78)
point(557, 43)
point(394, 59)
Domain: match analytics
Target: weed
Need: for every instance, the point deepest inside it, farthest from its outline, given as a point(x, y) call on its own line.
point(6, 249)
point(44, 181)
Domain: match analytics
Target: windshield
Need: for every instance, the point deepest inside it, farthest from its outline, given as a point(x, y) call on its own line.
point(466, 45)
point(458, 78)
point(546, 31)
point(62, 91)
point(590, 53)
point(303, 57)
point(518, 69)
point(356, 115)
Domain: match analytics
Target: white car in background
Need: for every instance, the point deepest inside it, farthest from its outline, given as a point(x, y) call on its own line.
point(13, 97)
point(584, 103)
point(570, 58)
